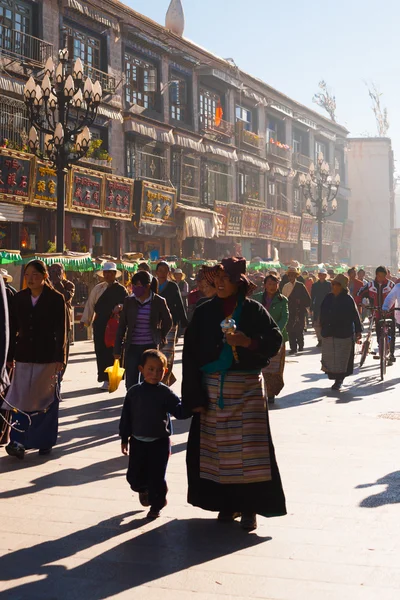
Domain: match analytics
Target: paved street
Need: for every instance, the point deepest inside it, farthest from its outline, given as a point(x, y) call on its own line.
point(72, 529)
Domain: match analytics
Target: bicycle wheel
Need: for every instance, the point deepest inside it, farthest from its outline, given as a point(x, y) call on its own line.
point(365, 351)
point(382, 355)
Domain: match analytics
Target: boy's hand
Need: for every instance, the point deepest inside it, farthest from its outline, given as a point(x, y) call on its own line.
point(124, 449)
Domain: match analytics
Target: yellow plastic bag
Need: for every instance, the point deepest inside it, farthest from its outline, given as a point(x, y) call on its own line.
point(115, 375)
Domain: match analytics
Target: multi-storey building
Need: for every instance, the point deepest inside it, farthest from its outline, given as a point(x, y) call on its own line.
point(215, 153)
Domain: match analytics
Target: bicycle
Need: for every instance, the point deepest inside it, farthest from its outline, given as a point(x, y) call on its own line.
point(368, 340)
point(384, 343)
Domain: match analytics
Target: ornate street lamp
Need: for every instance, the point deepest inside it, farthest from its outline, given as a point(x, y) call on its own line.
point(62, 108)
point(320, 191)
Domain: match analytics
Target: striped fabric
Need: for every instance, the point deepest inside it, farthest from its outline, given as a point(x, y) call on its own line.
point(142, 335)
point(234, 444)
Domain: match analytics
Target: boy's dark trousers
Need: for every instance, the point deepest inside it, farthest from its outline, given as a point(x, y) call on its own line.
point(147, 467)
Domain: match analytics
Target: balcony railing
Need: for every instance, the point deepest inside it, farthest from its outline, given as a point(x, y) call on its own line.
point(247, 138)
point(278, 150)
point(301, 160)
point(217, 129)
point(106, 81)
point(26, 47)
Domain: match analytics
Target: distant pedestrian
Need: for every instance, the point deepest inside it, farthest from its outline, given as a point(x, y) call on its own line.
point(170, 291)
point(105, 299)
point(299, 302)
point(319, 291)
point(38, 353)
point(340, 328)
point(65, 287)
point(8, 279)
point(355, 284)
point(145, 429)
point(144, 323)
point(179, 277)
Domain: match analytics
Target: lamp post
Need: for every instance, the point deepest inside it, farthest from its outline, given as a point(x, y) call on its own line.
point(62, 108)
point(320, 191)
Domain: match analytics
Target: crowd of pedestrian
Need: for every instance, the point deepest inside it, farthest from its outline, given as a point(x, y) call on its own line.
point(235, 329)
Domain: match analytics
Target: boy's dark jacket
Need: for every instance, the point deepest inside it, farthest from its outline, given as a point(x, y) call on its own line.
point(146, 411)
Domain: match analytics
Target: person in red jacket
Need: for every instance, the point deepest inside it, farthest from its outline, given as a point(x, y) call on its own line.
point(355, 284)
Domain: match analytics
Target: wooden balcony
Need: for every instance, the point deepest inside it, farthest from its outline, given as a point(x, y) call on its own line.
point(279, 151)
point(222, 132)
point(247, 139)
point(106, 81)
point(28, 49)
point(300, 161)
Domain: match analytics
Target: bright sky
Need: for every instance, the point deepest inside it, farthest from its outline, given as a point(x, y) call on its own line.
point(294, 44)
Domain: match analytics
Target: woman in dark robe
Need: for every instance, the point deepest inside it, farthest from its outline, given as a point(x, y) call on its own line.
point(340, 327)
point(231, 461)
point(4, 341)
point(38, 336)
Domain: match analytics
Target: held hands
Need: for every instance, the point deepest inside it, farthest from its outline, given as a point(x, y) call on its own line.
point(238, 339)
point(358, 338)
point(124, 449)
point(117, 309)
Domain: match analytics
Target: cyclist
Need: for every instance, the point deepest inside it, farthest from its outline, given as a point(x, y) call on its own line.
point(376, 292)
point(393, 300)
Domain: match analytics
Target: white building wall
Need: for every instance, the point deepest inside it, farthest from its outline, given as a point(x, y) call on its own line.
point(369, 166)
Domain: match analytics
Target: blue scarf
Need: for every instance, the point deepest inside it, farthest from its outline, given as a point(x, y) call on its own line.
point(225, 359)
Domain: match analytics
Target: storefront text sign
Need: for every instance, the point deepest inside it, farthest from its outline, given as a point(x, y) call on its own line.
point(118, 197)
point(266, 227)
point(15, 176)
point(234, 222)
point(307, 223)
point(294, 229)
point(281, 227)
point(222, 209)
point(45, 186)
point(251, 220)
point(86, 188)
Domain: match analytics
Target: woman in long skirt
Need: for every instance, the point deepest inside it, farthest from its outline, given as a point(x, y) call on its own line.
point(38, 353)
point(340, 328)
point(277, 306)
point(231, 461)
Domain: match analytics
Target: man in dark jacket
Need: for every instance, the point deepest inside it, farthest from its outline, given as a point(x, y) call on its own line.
point(319, 290)
point(299, 301)
point(144, 324)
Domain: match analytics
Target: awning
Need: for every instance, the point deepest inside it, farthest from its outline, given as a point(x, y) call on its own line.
point(230, 154)
point(96, 15)
point(10, 256)
point(10, 85)
point(257, 162)
point(190, 143)
point(259, 99)
point(11, 213)
point(155, 133)
point(199, 222)
point(110, 113)
point(279, 171)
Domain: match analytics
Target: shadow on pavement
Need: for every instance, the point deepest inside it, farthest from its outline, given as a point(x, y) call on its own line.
point(80, 393)
point(391, 495)
point(305, 397)
point(160, 552)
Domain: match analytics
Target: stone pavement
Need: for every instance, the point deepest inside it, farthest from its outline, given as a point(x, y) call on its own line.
point(71, 529)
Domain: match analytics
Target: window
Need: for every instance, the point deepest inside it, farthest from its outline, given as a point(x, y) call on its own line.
point(208, 106)
point(141, 82)
point(179, 97)
point(146, 161)
point(321, 147)
point(14, 124)
point(300, 142)
point(275, 130)
point(85, 46)
point(185, 175)
point(249, 186)
point(245, 116)
point(14, 15)
point(217, 184)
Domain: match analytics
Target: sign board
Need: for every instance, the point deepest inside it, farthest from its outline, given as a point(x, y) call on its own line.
point(250, 222)
point(45, 186)
point(266, 226)
point(15, 176)
point(118, 197)
point(222, 209)
point(155, 208)
point(281, 227)
point(235, 218)
point(85, 191)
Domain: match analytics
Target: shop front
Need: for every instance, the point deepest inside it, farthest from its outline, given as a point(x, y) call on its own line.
point(197, 230)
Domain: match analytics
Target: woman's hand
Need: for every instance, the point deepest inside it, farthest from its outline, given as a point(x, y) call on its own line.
point(238, 339)
point(124, 449)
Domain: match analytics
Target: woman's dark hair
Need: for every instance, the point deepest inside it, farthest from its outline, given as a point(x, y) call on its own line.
point(143, 266)
point(273, 277)
point(41, 268)
point(142, 277)
point(381, 269)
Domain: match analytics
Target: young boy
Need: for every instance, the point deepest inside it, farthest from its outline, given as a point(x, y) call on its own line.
point(145, 427)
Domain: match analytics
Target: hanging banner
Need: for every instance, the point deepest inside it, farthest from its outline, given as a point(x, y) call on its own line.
point(85, 191)
point(118, 197)
point(266, 226)
point(294, 229)
point(250, 222)
point(235, 217)
point(281, 227)
point(307, 223)
point(15, 176)
point(155, 209)
point(45, 186)
point(222, 209)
